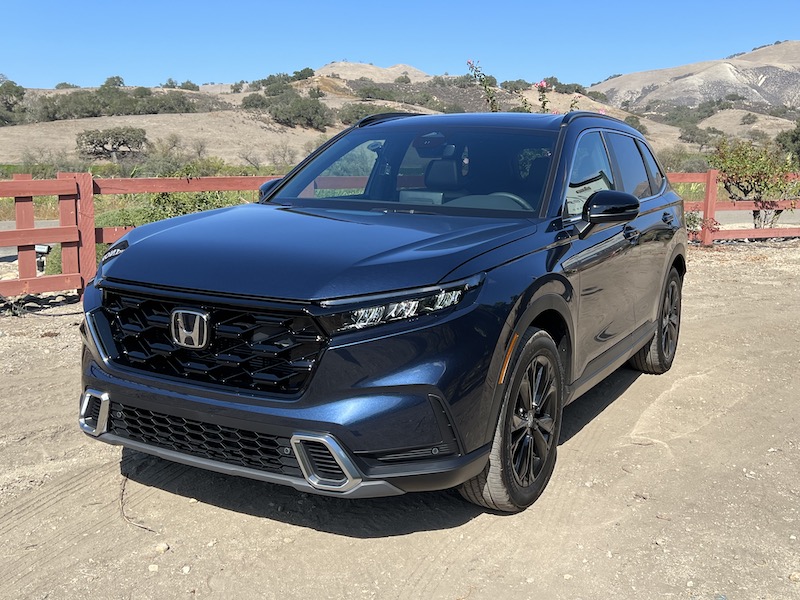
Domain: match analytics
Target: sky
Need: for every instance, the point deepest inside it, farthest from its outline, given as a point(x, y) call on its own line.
point(146, 42)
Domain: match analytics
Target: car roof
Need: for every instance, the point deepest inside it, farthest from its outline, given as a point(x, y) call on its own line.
point(551, 122)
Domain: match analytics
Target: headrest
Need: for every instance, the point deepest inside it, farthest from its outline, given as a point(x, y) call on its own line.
point(442, 175)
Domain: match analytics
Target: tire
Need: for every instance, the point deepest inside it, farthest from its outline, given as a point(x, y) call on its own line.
point(523, 453)
point(656, 357)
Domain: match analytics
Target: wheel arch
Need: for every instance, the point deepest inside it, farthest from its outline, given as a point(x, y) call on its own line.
point(550, 313)
point(679, 263)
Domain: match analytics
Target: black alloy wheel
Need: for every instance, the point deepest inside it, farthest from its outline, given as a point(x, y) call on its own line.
point(523, 453)
point(532, 421)
point(656, 356)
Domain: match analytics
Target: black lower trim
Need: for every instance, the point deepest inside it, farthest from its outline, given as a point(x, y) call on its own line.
point(440, 475)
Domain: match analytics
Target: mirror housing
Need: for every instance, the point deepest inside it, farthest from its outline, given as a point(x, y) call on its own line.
point(607, 206)
point(266, 188)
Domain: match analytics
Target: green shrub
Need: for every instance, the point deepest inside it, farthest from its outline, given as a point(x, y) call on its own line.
point(597, 96)
point(636, 123)
point(516, 85)
point(303, 74)
point(303, 112)
point(255, 102)
point(373, 92)
point(789, 141)
point(757, 172)
point(112, 142)
point(748, 119)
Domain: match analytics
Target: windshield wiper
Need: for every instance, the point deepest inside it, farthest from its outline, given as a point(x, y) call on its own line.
point(407, 211)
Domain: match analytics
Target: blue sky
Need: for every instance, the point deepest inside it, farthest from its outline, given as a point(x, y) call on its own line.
point(146, 42)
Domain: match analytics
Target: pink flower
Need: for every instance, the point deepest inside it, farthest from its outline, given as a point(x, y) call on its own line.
point(542, 84)
point(602, 111)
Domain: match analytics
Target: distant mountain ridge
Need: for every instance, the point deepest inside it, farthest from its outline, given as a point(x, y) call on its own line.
point(767, 80)
point(768, 75)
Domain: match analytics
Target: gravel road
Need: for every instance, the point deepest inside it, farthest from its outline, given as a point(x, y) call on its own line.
point(685, 485)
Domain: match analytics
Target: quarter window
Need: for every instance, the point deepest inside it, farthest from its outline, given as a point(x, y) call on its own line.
point(656, 176)
point(591, 172)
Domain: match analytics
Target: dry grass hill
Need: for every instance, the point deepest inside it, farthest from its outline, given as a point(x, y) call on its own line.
point(241, 136)
point(766, 76)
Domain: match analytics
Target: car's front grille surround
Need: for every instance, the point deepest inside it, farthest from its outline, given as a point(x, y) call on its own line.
point(240, 447)
point(251, 348)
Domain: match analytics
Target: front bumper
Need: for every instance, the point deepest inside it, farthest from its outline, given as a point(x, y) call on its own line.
point(374, 420)
point(310, 462)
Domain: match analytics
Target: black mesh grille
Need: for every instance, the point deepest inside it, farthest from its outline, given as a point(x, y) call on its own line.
point(250, 349)
point(205, 440)
point(323, 463)
point(93, 411)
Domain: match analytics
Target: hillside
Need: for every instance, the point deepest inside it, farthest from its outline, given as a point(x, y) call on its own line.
point(352, 71)
point(230, 135)
point(768, 76)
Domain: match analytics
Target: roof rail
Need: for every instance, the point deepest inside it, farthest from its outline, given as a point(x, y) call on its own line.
point(380, 117)
point(577, 114)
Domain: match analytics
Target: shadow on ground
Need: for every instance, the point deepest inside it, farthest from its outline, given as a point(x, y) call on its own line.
point(586, 408)
point(34, 304)
point(365, 518)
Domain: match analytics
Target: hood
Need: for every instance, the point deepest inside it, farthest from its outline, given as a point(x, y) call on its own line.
point(290, 253)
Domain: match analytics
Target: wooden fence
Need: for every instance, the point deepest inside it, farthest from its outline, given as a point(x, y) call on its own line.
point(77, 234)
point(709, 207)
point(76, 231)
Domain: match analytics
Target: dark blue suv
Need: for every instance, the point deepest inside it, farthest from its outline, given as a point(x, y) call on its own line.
point(409, 309)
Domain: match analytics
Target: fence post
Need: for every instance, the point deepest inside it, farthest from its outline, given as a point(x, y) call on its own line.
point(709, 208)
point(24, 216)
point(87, 257)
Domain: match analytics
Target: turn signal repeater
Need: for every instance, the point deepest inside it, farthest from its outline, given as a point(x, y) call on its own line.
point(381, 309)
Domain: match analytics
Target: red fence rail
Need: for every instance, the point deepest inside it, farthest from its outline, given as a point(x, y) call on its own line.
point(709, 206)
point(76, 231)
point(77, 234)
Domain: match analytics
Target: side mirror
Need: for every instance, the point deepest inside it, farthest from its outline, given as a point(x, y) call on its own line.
point(607, 206)
point(266, 188)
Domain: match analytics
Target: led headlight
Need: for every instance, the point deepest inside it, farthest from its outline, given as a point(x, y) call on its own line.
point(377, 310)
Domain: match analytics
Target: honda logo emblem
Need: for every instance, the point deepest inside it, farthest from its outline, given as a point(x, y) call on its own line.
point(190, 328)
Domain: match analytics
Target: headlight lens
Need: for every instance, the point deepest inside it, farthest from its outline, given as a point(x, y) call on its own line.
point(408, 305)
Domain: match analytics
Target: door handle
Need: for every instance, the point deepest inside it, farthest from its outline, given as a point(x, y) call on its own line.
point(668, 218)
point(631, 234)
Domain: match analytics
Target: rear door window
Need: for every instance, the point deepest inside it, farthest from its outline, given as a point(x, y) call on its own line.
point(656, 176)
point(631, 166)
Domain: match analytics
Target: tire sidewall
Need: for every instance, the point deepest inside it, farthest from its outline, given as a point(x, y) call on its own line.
point(664, 360)
point(533, 344)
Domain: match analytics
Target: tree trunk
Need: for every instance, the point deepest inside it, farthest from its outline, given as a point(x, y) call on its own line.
point(766, 218)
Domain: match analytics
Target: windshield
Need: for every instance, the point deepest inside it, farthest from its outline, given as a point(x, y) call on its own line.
point(411, 166)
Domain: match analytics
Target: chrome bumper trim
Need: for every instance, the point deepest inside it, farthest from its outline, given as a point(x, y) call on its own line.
point(102, 418)
point(360, 489)
point(351, 473)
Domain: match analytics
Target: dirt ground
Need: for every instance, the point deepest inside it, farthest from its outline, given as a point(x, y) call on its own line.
point(685, 485)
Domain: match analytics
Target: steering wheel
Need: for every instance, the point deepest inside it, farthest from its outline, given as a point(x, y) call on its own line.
point(521, 201)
